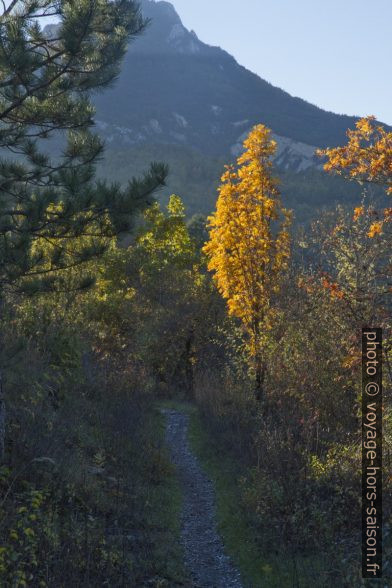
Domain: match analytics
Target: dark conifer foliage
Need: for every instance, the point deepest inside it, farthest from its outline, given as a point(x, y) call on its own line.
point(46, 82)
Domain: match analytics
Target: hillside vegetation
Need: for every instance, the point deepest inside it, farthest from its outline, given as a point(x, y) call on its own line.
point(196, 177)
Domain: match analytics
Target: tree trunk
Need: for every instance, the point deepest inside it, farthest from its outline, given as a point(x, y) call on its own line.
point(258, 359)
point(260, 377)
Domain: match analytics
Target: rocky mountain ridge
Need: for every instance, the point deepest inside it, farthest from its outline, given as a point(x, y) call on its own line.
point(175, 89)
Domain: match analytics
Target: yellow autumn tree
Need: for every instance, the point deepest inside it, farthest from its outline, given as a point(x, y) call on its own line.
point(249, 245)
point(367, 157)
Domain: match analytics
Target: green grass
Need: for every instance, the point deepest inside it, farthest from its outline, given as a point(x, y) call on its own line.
point(262, 568)
point(179, 405)
point(267, 569)
point(164, 504)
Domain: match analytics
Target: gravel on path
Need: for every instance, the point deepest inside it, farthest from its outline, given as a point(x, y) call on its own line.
point(204, 553)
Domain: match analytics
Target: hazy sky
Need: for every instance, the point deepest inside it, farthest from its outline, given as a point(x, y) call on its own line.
point(336, 54)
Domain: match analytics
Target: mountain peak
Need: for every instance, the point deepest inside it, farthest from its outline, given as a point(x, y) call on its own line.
point(166, 32)
point(175, 89)
point(161, 9)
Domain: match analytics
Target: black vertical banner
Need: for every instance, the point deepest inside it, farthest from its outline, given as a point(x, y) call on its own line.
point(371, 453)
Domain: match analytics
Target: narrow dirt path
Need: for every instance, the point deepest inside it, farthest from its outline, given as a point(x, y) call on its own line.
point(205, 558)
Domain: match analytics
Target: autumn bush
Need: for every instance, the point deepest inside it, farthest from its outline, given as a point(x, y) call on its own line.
point(73, 492)
point(298, 452)
point(86, 467)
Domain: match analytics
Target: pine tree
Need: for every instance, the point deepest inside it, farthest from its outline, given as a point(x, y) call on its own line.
point(47, 77)
point(248, 248)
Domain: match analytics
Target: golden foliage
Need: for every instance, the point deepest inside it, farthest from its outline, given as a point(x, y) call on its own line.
point(249, 243)
point(332, 287)
point(375, 229)
point(367, 157)
point(358, 212)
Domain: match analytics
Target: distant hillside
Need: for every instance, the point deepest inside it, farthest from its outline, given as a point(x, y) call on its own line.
point(191, 104)
point(196, 176)
point(175, 89)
